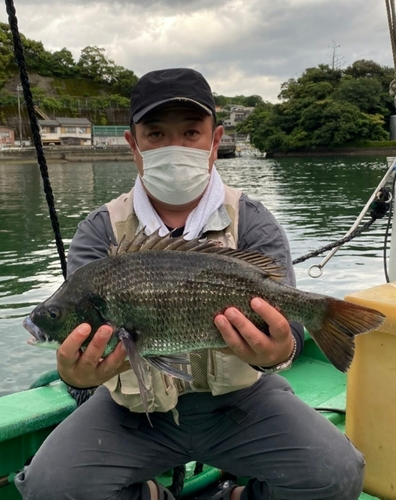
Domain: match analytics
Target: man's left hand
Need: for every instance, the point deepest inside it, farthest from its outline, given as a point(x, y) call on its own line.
point(249, 343)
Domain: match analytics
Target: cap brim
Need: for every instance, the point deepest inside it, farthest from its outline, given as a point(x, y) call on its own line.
point(137, 117)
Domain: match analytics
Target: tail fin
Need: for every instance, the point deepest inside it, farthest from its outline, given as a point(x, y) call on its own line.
point(336, 334)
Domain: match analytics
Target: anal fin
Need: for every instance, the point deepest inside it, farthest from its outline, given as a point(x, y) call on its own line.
point(164, 364)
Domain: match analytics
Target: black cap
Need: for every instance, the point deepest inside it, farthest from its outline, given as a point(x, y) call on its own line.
point(179, 85)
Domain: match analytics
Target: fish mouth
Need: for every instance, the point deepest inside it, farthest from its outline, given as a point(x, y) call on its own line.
point(38, 335)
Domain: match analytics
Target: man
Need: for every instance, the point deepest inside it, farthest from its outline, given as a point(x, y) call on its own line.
point(237, 414)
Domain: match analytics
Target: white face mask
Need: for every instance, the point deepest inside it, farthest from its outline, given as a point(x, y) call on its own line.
point(175, 174)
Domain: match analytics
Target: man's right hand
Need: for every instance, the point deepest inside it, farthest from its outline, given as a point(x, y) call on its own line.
point(88, 368)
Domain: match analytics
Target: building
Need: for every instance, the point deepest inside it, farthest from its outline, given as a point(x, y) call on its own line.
point(7, 136)
point(66, 131)
point(104, 136)
point(237, 114)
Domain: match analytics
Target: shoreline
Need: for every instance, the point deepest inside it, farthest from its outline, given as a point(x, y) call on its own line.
point(337, 152)
point(57, 154)
point(67, 155)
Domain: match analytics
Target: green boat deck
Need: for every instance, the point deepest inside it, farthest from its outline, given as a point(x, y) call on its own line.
point(27, 417)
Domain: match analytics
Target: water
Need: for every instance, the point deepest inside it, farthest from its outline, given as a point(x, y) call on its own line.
point(316, 200)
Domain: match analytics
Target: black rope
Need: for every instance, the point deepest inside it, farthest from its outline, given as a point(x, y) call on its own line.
point(378, 209)
point(20, 58)
point(388, 225)
point(79, 395)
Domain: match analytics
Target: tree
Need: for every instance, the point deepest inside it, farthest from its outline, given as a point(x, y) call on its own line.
point(326, 108)
point(252, 101)
point(123, 80)
point(6, 49)
point(364, 68)
point(37, 58)
point(63, 63)
point(302, 86)
point(364, 92)
point(93, 64)
point(330, 123)
point(220, 100)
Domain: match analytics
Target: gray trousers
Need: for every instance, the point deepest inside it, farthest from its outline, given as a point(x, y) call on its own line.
point(104, 452)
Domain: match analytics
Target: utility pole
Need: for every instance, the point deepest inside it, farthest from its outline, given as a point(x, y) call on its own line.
point(19, 89)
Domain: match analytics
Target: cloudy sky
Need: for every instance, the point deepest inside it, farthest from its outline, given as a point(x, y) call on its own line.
point(241, 46)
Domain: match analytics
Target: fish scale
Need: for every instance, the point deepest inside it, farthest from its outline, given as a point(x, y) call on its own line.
point(173, 295)
point(161, 294)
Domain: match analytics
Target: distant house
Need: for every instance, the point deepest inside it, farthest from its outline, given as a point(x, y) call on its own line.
point(109, 135)
point(7, 136)
point(237, 114)
point(66, 131)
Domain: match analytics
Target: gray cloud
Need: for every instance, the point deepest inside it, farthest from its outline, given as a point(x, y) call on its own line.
point(242, 47)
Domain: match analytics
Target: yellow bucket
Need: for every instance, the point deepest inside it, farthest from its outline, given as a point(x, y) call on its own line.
point(371, 394)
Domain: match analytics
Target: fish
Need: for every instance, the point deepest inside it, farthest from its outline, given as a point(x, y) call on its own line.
point(161, 294)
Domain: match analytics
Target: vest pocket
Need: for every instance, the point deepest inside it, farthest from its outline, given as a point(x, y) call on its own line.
point(162, 392)
point(226, 373)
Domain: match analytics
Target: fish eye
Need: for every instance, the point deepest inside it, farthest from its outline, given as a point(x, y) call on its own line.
point(53, 313)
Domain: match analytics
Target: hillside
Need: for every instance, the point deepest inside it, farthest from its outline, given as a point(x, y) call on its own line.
point(57, 96)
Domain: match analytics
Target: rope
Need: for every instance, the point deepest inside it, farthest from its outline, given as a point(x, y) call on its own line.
point(391, 15)
point(338, 243)
point(379, 208)
point(79, 395)
point(20, 58)
point(390, 10)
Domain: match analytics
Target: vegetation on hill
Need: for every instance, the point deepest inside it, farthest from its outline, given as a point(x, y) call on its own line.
point(325, 108)
point(93, 87)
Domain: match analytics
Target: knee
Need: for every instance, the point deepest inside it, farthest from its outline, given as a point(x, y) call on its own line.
point(323, 477)
point(36, 483)
point(59, 484)
point(348, 476)
point(341, 478)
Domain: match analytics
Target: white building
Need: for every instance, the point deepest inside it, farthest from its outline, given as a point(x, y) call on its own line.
point(237, 114)
point(66, 131)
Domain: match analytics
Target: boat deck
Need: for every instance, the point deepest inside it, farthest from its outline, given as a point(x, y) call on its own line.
point(27, 417)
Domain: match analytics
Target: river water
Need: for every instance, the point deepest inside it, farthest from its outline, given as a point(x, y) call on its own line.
point(316, 200)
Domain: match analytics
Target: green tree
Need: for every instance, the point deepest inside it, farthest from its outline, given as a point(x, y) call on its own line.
point(364, 92)
point(37, 58)
point(330, 124)
point(123, 80)
point(220, 100)
point(252, 122)
point(302, 86)
point(252, 101)
point(63, 63)
point(6, 52)
point(93, 64)
point(364, 68)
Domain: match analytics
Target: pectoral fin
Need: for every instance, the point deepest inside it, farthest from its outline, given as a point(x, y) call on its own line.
point(137, 365)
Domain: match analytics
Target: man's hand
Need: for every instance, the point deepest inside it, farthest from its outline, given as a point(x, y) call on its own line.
point(249, 343)
point(88, 368)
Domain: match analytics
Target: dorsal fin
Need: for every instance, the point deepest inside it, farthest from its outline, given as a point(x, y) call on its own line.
point(154, 241)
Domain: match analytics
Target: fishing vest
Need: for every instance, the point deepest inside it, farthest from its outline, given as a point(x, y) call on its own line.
point(212, 369)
